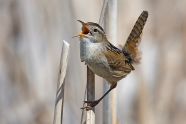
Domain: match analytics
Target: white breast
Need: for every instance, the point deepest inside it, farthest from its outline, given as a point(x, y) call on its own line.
point(89, 50)
point(93, 55)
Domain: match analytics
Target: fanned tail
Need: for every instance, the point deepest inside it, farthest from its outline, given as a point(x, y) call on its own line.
point(131, 47)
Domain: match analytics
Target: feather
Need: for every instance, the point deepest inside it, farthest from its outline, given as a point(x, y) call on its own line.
point(131, 50)
point(117, 61)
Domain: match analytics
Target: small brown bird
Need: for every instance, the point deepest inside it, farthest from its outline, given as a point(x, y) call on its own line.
point(106, 60)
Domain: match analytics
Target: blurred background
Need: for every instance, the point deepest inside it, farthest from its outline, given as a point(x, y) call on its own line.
point(31, 34)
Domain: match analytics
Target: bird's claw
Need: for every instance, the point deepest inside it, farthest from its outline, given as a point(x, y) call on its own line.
point(90, 104)
point(87, 108)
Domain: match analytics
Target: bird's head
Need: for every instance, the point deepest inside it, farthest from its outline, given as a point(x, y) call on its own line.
point(92, 31)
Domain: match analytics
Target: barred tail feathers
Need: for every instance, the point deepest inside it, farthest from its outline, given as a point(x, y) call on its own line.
point(132, 43)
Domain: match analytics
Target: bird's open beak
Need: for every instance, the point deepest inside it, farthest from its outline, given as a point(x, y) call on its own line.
point(81, 35)
point(84, 28)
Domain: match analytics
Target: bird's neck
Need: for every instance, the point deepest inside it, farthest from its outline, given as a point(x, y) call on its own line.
point(88, 48)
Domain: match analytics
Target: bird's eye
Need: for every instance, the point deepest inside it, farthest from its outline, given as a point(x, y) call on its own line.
point(95, 30)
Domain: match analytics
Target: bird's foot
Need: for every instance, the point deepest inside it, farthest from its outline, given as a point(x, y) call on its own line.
point(90, 104)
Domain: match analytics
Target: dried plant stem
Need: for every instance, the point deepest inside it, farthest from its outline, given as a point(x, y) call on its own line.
point(59, 102)
point(112, 7)
point(110, 104)
point(90, 95)
point(102, 15)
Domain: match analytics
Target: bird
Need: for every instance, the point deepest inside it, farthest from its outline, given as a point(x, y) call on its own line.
point(106, 60)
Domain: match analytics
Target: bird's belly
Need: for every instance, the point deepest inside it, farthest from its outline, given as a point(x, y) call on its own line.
point(100, 69)
point(99, 66)
point(103, 71)
point(97, 62)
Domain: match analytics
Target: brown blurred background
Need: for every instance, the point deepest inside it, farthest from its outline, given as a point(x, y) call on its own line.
point(31, 33)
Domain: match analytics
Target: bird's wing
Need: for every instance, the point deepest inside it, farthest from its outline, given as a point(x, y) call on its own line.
point(117, 62)
point(132, 43)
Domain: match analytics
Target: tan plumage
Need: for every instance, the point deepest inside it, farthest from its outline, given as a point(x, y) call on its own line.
point(118, 63)
point(106, 60)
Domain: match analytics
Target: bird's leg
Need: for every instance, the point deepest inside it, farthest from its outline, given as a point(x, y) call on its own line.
point(91, 104)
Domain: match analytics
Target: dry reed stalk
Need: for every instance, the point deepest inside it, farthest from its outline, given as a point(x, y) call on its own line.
point(59, 102)
point(90, 96)
point(110, 104)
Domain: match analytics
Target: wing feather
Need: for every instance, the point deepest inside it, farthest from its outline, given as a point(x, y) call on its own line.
point(117, 61)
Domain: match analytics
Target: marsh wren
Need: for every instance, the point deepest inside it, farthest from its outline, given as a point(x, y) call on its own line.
point(106, 60)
